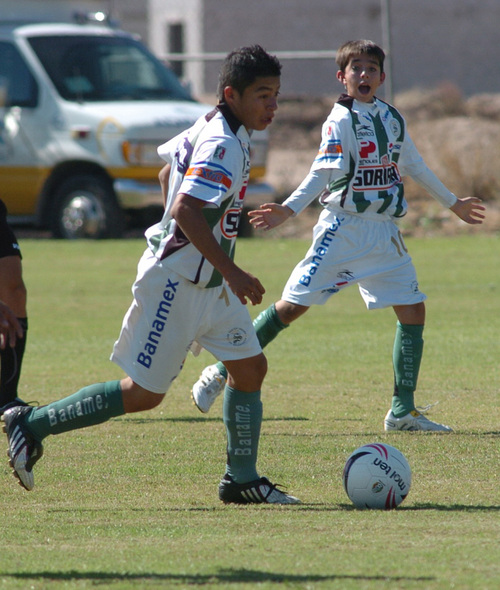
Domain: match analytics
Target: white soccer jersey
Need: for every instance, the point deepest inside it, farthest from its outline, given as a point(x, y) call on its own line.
point(210, 161)
point(369, 144)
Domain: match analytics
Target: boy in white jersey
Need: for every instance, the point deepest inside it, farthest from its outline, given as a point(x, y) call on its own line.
point(188, 290)
point(357, 175)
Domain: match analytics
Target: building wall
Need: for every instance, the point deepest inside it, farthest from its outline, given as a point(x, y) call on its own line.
point(189, 14)
point(432, 41)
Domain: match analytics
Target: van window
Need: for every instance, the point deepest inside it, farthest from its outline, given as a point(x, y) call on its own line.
point(92, 68)
point(17, 85)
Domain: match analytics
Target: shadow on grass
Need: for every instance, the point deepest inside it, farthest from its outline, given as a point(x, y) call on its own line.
point(194, 419)
point(200, 419)
point(223, 576)
point(309, 507)
point(419, 507)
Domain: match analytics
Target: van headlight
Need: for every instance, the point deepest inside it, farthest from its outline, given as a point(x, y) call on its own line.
point(141, 153)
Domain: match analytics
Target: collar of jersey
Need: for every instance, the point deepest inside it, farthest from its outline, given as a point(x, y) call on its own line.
point(227, 113)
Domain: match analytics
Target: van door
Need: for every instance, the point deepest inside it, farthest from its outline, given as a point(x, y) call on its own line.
point(20, 174)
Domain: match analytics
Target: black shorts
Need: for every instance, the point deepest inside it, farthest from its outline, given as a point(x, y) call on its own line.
point(8, 240)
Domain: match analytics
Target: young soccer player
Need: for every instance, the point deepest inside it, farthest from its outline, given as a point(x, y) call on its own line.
point(188, 290)
point(357, 175)
point(13, 296)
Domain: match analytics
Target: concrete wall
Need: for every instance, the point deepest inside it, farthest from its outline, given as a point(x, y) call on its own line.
point(432, 41)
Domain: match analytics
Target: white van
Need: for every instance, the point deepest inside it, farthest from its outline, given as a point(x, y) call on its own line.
point(83, 109)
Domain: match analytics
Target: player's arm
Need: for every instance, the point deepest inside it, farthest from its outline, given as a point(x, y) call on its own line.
point(187, 212)
point(269, 215)
point(273, 214)
point(468, 209)
point(10, 328)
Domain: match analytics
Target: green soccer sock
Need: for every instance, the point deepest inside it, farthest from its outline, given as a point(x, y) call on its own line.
point(407, 354)
point(89, 406)
point(267, 325)
point(242, 414)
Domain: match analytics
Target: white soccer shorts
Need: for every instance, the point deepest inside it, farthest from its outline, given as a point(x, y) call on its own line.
point(348, 249)
point(167, 315)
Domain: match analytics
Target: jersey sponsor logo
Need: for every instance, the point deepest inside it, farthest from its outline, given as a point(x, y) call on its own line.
point(209, 176)
point(237, 336)
point(230, 222)
point(243, 422)
point(347, 277)
point(335, 288)
point(346, 274)
point(241, 194)
point(84, 407)
point(145, 358)
point(372, 178)
point(220, 152)
point(365, 116)
point(330, 151)
point(366, 148)
point(364, 131)
point(395, 127)
point(320, 252)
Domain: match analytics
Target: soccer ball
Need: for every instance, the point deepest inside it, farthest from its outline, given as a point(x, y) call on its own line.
point(377, 476)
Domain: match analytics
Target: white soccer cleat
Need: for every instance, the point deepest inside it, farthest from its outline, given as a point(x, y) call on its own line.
point(412, 422)
point(208, 387)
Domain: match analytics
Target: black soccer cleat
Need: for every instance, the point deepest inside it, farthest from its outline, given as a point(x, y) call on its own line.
point(24, 451)
point(15, 402)
point(259, 491)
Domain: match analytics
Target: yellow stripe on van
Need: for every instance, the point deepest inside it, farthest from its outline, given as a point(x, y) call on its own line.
point(20, 188)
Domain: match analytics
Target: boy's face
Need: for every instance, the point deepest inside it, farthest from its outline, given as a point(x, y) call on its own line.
point(256, 106)
point(362, 77)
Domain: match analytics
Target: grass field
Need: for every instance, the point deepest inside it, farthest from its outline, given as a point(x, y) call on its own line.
point(133, 503)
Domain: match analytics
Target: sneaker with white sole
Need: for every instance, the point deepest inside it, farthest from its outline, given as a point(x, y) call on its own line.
point(412, 422)
point(208, 387)
point(259, 491)
point(24, 451)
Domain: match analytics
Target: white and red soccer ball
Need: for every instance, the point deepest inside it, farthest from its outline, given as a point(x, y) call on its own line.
point(377, 476)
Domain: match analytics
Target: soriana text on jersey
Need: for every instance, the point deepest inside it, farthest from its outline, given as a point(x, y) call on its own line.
point(381, 177)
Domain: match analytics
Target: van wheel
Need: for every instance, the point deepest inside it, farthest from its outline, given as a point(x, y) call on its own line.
point(85, 206)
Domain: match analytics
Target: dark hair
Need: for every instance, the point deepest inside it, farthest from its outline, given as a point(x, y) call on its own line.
point(243, 66)
point(361, 47)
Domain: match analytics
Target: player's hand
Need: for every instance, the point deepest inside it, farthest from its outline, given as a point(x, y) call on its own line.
point(10, 328)
point(245, 286)
point(469, 210)
point(269, 215)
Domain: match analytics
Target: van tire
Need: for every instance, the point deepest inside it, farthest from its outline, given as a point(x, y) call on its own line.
point(85, 206)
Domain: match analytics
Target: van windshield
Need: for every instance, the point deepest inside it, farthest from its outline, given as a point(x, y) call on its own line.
point(92, 68)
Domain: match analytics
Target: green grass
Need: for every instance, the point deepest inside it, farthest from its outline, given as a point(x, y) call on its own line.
point(133, 503)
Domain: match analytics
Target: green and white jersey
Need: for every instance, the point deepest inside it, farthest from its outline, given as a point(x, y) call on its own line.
point(210, 161)
point(370, 145)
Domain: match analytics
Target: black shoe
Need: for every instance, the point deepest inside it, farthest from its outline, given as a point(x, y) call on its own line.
point(24, 451)
point(259, 491)
point(15, 402)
